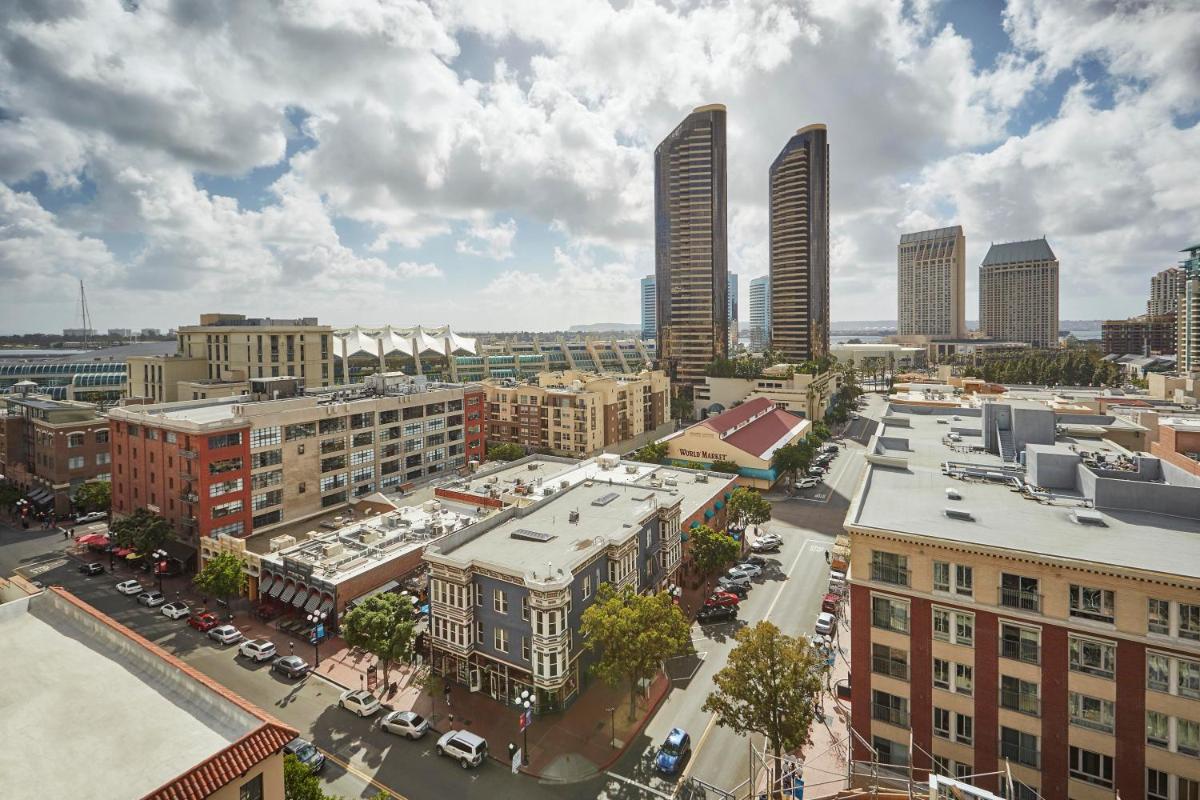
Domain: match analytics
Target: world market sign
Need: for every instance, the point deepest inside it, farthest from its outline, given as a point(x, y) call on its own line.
point(701, 454)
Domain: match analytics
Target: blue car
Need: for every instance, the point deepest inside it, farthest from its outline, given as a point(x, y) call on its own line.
point(673, 752)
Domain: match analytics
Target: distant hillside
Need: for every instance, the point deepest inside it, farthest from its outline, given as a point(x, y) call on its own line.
point(595, 327)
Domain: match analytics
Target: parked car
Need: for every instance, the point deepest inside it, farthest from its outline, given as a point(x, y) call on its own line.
point(757, 561)
point(673, 752)
point(405, 723)
point(825, 622)
point(466, 748)
point(175, 610)
point(816, 472)
point(225, 634)
point(738, 589)
point(770, 537)
point(746, 568)
point(830, 603)
point(808, 483)
point(831, 447)
point(152, 599)
point(710, 614)
point(766, 546)
point(130, 587)
point(722, 599)
point(306, 754)
point(91, 516)
point(359, 701)
point(95, 568)
point(204, 622)
point(291, 666)
point(257, 649)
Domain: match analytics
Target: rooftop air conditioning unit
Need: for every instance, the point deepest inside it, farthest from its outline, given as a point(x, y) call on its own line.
point(953, 494)
point(573, 517)
point(332, 550)
point(671, 482)
point(702, 478)
point(959, 513)
point(631, 469)
point(531, 466)
point(564, 484)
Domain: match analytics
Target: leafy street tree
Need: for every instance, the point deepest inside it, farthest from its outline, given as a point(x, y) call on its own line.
point(768, 686)
point(384, 626)
point(728, 467)
point(9, 495)
point(631, 635)
point(747, 507)
point(94, 496)
point(300, 782)
point(223, 577)
point(142, 531)
point(792, 459)
point(820, 431)
point(505, 451)
point(652, 453)
point(711, 550)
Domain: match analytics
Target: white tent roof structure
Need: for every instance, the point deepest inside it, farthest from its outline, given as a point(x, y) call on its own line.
point(389, 340)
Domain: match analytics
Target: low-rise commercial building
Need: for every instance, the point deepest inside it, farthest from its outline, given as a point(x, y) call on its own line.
point(507, 593)
point(81, 689)
point(49, 448)
point(577, 412)
point(1025, 600)
point(894, 356)
point(801, 393)
point(747, 435)
point(246, 464)
point(1178, 443)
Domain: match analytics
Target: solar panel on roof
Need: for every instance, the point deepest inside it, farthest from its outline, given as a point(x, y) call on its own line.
point(530, 536)
point(604, 500)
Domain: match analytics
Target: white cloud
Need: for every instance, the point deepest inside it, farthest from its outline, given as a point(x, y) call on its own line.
point(491, 241)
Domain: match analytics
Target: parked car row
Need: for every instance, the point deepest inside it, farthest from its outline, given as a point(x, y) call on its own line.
point(732, 587)
point(467, 748)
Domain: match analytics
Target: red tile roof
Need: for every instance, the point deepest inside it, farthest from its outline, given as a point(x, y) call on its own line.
point(227, 765)
point(758, 437)
point(737, 415)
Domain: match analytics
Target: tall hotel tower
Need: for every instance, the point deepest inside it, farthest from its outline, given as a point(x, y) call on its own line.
point(932, 283)
point(690, 245)
point(799, 188)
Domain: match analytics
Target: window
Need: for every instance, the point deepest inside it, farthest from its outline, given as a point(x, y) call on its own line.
point(890, 752)
point(525, 648)
point(232, 529)
point(224, 487)
point(1157, 785)
point(501, 640)
point(265, 479)
point(267, 458)
point(1187, 737)
point(889, 708)
point(1019, 747)
point(941, 723)
point(889, 613)
point(1187, 678)
point(958, 678)
point(225, 465)
point(266, 500)
point(1020, 592)
point(1187, 789)
point(75, 462)
point(170, 437)
point(1189, 621)
point(889, 568)
point(955, 727)
point(499, 601)
point(1091, 767)
point(954, 626)
point(225, 509)
point(964, 682)
point(252, 789)
point(102, 437)
point(262, 437)
point(74, 440)
point(1019, 695)
point(1091, 712)
point(1158, 733)
point(941, 674)
point(479, 632)
point(1158, 672)
point(525, 608)
point(889, 661)
point(1092, 656)
point(954, 578)
point(587, 586)
point(225, 440)
point(300, 430)
point(1019, 644)
point(103, 458)
point(1090, 603)
point(360, 456)
point(1158, 616)
point(964, 728)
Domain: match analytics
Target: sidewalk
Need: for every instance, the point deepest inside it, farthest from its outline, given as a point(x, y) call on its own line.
point(825, 758)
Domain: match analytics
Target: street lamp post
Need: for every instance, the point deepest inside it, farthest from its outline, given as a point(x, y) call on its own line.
point(316, 618)
point(525, 702)
point(612, 721)
point(158, 556)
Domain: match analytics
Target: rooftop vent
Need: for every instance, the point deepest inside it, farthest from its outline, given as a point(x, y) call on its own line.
point(702, 478)
point(959, 513)
point(605, 499)
point(1088, 516)
point(953, 494)
point(530, 536)
point(573, 517)
point(531, 466)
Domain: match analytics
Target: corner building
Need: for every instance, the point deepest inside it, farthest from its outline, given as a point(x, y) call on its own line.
point(1031, 601)
point(690, 266)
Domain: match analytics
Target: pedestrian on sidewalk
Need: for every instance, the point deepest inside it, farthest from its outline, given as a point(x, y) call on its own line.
point(446, 696)
point(450, 718)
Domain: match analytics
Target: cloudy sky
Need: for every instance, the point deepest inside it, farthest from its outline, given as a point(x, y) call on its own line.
point(488, 164)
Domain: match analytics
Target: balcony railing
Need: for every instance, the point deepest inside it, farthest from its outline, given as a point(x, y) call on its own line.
point(886, 666)
point(1022, 703)
point(189, 454)
point(1029, 756)
point(1020, 599)
point(189, 497)
point(1020, 651)
point(888, 573)
point(892, 716)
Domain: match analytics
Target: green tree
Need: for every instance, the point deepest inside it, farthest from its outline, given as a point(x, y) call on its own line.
point(94, 496)
point(384, 626)
point(767, 687)
point(631, 634)
point(682, 407)
point(792, 459)
point(505, 451)
point(142, 531)
point(747, 507)
point(728, 467)
point(300, 783)
point(711, 550)
point(652, 453)
point(9, 495)
point(223, 576)
point(820, 431)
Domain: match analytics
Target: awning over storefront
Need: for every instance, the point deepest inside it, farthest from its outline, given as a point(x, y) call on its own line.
point(709, 513)
point(720, 505)
point(40, 496)
point(277, 587)
point(264, 585)
point(289, 591)
point(121, 552)
point(387, 587)
point(301, 596)
point(133, 556)
point(326, 605)
point(314, 600)
point(93, 538)
point(695, 524)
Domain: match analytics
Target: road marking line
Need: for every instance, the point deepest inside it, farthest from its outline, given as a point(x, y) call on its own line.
point(632, 782)
point(363, 776)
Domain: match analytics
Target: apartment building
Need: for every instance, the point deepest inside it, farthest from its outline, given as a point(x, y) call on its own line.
point(760, 313)
point(577, 412)
point(690, 252)
point(801, 393)
point(1165, 290)
point(227, 350)
point(243, 465)
point(1187, 319)
point(799, 208)
point(932, 283)
point(1025, 600)
point(49, 448)
point(1145, 335)
point(1018, 293)
point(731, 312)
point(507, 593)
point(649, 308)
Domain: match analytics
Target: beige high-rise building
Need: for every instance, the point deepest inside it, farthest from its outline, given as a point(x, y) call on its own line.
point(1165, 290)
point(1018, 293)
point(1187, 320)
point(217, 357)
point(932, 283)
point(690, 265)
point(799, 277)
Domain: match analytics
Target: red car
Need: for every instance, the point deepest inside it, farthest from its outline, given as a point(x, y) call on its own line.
point(722, 599)
point(830, 603)
point(203, 622)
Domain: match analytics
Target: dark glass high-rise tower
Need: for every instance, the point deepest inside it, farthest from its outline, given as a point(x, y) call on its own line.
point(690, 245)
point(799, 200)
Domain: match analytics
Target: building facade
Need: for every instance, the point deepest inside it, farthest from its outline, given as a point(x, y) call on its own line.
point(690, 245)
point(1187, 321)
point(1018, 293)
point(732, 311)
point(576, 412)
point(49, 448)
point(525, 359)
point(649, 298)
point(1145, 335)
point(760, 313)
point(799, 224)
point(238, 466)
point(932, 283)
point(1165, 290)
point(1028, 604)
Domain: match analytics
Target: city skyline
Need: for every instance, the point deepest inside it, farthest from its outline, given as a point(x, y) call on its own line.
point(509, 178)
